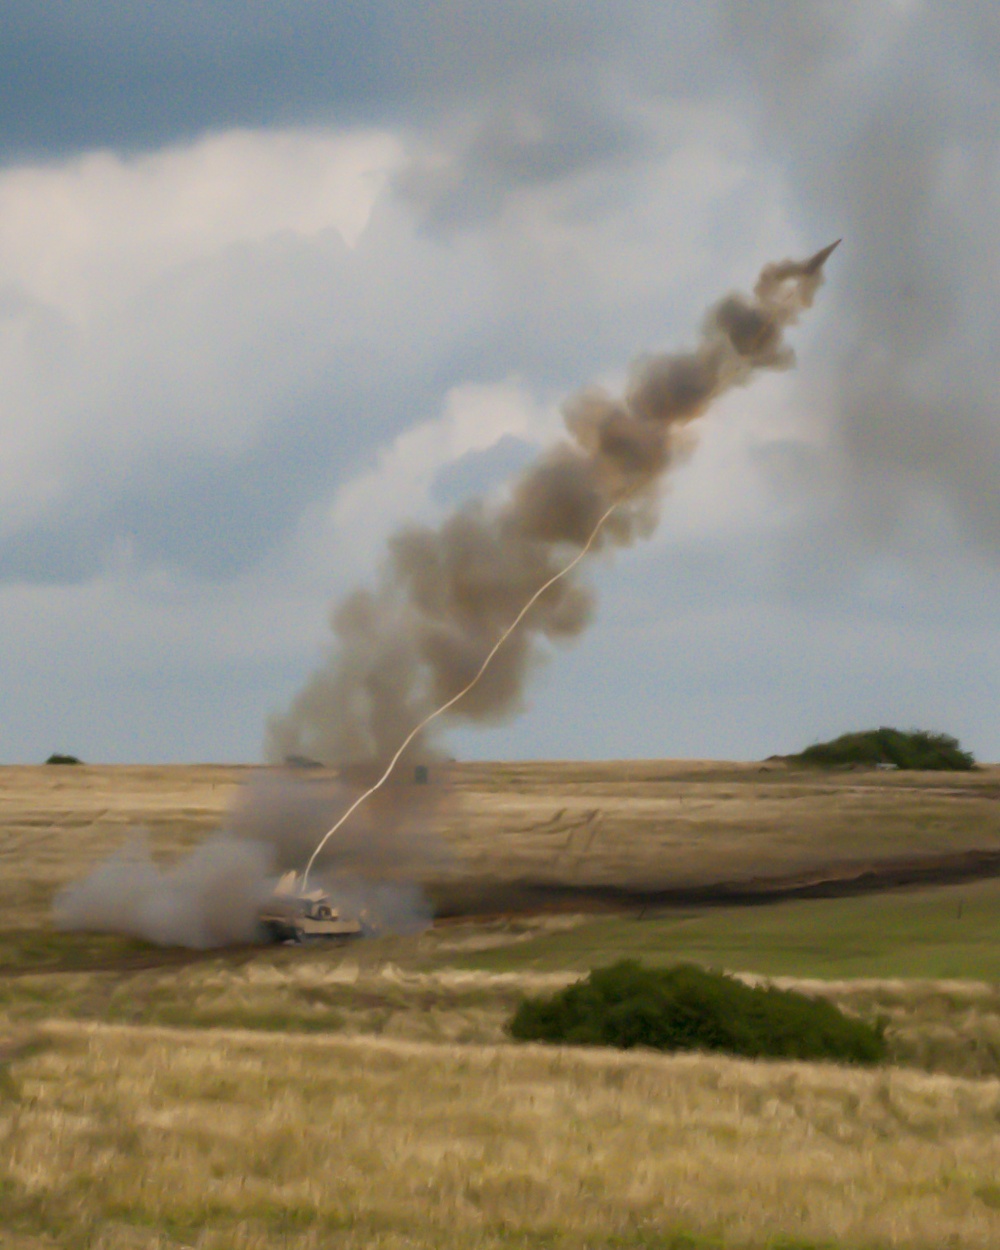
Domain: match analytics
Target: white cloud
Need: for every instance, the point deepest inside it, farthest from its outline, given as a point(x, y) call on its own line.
point(86, 233)
point(140, 298)
point(162, 310)
point(164, 305)
point(726, 484)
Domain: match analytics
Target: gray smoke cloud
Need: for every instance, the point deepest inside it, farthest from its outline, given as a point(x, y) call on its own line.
point(883, 117)
point(211, 897)
point(445, 595)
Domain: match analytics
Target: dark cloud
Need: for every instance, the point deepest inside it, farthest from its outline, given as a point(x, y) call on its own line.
point(210, 514)
point(526, 138)
point(77, 74)
point(883, 119)
point(101, 73)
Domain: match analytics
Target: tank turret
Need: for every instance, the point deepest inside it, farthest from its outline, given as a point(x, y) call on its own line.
point(292, 914)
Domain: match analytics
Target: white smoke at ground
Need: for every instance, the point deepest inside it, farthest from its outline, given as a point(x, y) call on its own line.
point(212, 896)
point(208, 898)
point(384, 907)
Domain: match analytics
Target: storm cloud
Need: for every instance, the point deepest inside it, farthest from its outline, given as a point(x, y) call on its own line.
point(263, 284)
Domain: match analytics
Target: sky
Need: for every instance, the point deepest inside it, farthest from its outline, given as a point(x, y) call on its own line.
point(278, 278)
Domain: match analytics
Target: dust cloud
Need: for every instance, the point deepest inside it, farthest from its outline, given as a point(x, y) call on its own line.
point(211, 896)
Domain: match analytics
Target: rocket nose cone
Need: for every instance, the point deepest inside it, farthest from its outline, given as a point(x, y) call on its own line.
point(817, 261)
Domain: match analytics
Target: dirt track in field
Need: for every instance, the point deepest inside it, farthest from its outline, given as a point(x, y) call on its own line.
point(835, 881)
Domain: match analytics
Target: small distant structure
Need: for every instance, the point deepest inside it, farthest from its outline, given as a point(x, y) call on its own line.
point(57, 758)
point(421, 775)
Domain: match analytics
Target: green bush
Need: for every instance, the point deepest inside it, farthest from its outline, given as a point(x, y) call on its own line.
point(914, 749)
point(56, 758)
point(689, 1008)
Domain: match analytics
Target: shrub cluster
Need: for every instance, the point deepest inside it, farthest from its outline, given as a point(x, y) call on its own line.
point(57, 758)
point(688, 1008)
point(914, 749)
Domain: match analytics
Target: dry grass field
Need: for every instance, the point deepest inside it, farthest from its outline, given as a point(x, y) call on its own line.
point(402, 989)
point(261, 1099)
point(125, 1137)
point(673, 824)
point(512, 830)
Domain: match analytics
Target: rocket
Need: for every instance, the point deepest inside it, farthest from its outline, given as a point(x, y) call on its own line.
point(816, 262)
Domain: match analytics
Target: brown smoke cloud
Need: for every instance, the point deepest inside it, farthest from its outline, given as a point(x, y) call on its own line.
point(445, 595)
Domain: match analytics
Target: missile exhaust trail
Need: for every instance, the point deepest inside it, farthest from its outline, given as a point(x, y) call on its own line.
point(454, 623)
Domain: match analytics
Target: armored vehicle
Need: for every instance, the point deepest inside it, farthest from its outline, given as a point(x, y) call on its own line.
point(294, 915)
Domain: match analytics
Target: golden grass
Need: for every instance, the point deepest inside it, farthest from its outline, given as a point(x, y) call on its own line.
point(59, 821)
point(163, 1137)
point(940, 1026)
point(382, 990)
point(661, 824)
point(375, 1102)
point(308, 995)
point(652, 824)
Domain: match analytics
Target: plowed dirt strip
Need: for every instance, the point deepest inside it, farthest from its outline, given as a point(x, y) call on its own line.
point(230, 1137)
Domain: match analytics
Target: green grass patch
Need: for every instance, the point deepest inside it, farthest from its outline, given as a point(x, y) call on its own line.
point(940, 932)
point(42, 950)
point(688, 1008)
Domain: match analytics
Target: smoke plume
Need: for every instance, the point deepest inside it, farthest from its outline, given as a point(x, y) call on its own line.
point(444, 599)
point(445, 595)
point(211, 897)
